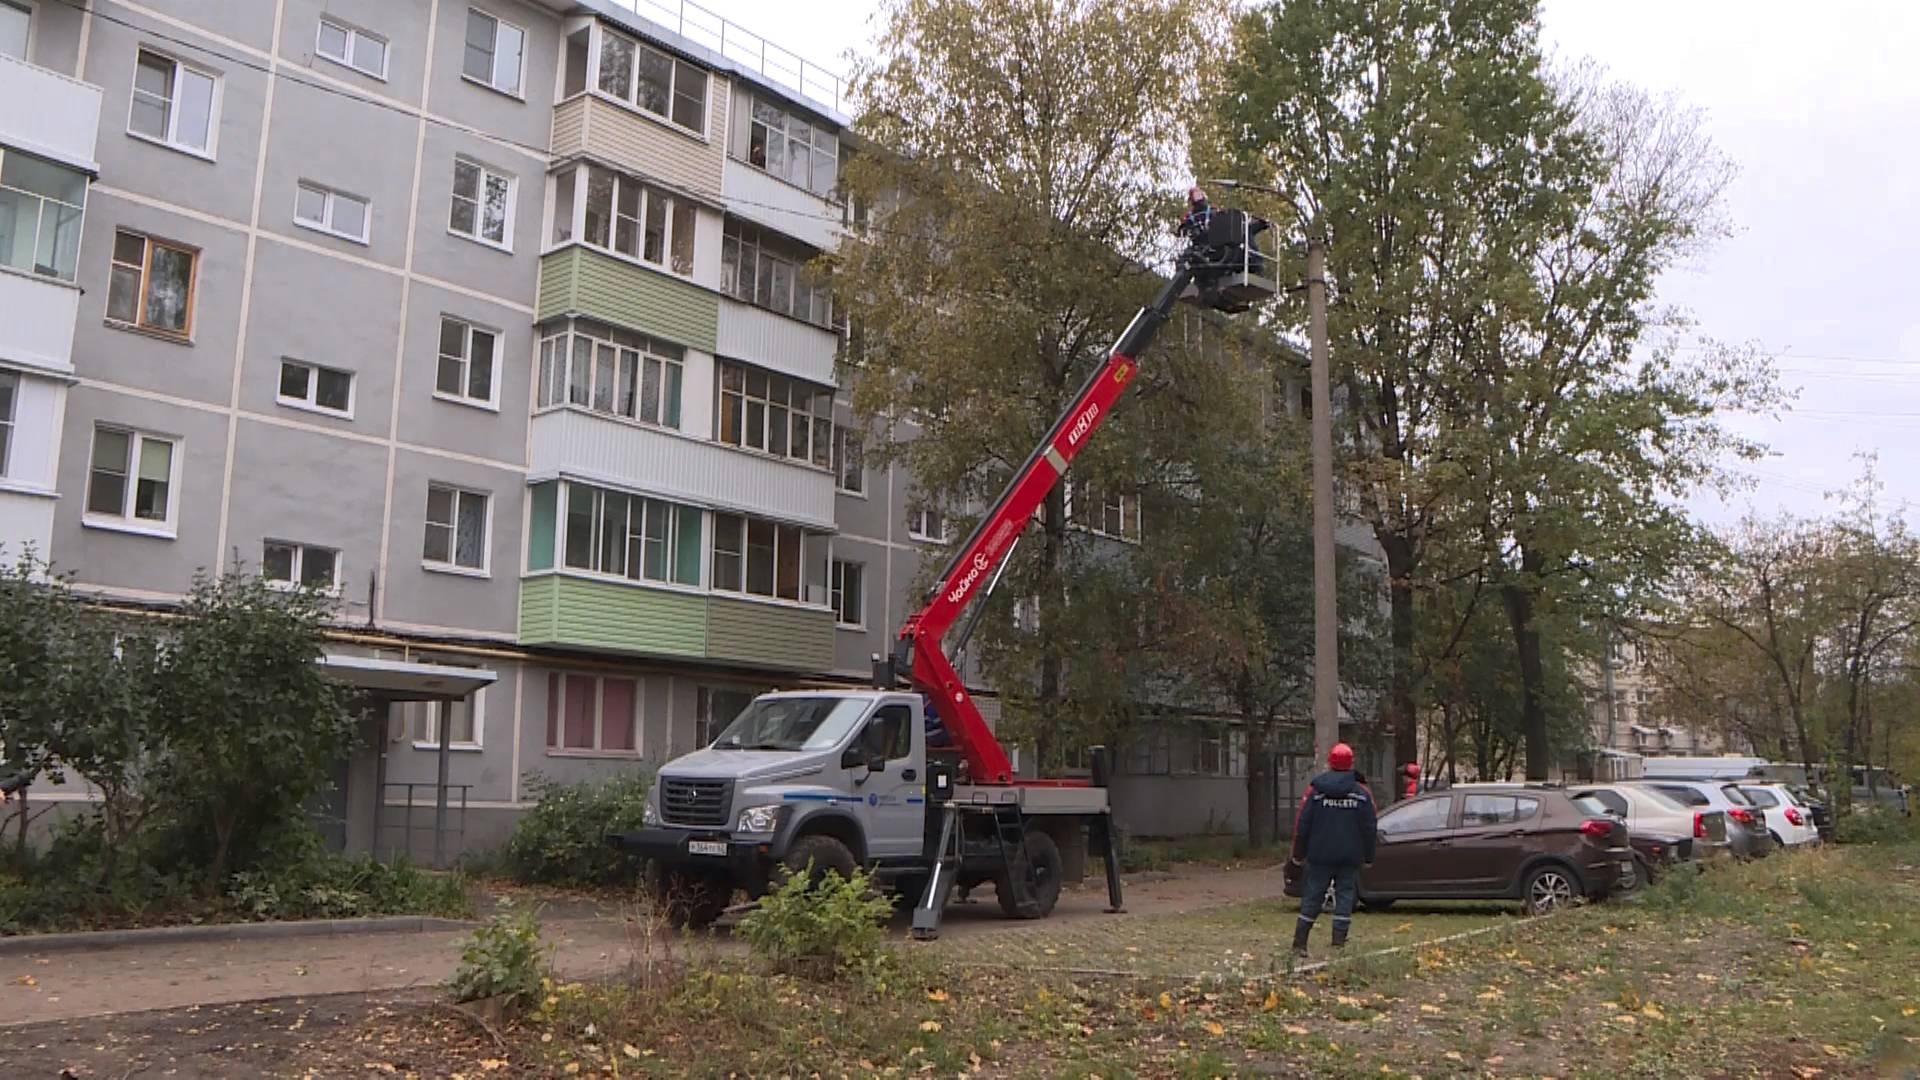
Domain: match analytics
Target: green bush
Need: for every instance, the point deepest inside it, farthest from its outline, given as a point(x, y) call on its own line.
point(1877, 826)
point(562, 840)
point(821, 929)
point(502, 959)
point(343, 887)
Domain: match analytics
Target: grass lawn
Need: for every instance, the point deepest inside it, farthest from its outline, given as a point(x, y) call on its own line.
point(1803, 966)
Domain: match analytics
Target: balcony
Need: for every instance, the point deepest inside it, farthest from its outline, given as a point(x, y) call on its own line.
point(577, 281)
point(679, 467)
point(777, 342)
point(783, 207)
point(47, 114)
point(576, 612)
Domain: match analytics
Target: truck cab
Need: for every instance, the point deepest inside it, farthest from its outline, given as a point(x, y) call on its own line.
point(826, 779)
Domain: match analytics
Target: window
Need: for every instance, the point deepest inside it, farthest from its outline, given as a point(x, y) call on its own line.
point(151, 286)
point(631, 536)
point(1421, 815)
point(653, 82)
point(762, 268)
point(357, 49)
point(130, 477)
point(616, 372)
point(1686, 796)
point(456, 529)
point(846, 595)
point(14, 22)
point(1104, 513)
point(714, 709)
point(1615, 803)
point(9, 396)
point(482, 204)
point(799, 152)
point(620, 214)
point(315, 387)
point(849, 462)
point(421, 721)
point(890, 732)
point(593, 714)
point(331, 211)
point(41, 205)
point(1217, 752)
point(774, 414)
point(300, 565)
point(466, 367)
point(1480, 811)
point(759, 557)
point(173, 104)
point(1761, 798)
point(494, 49)
point(927, 524)
point(575, 81)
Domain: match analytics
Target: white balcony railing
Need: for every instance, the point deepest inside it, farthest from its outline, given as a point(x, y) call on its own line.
point(711, 30)
point(45, 113)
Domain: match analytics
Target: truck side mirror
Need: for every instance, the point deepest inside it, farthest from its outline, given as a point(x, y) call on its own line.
point(861, 756)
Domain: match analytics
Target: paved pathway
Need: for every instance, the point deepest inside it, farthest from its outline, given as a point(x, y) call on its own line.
point(586, 942)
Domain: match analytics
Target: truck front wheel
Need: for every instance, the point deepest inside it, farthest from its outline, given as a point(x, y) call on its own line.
point(1044, 870)
point(689, 898)
point(824, 854)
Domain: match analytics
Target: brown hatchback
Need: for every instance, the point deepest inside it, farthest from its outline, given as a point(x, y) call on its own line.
point(1535, 844)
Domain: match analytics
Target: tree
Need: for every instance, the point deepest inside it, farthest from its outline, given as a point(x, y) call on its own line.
point(251, 726)
point(1407, 131)
point(1025, 153)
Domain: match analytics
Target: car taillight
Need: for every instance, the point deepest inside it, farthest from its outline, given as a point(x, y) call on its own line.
point(1597, 827)
point(1793, 816)
point(1699, 826)
point(1740, 815)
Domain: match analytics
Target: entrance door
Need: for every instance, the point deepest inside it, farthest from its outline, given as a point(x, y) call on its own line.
point(895, 796)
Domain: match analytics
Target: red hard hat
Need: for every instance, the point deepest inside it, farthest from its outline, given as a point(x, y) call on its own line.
point(1340, 757)
point(1196, 194)
point(1413, 768)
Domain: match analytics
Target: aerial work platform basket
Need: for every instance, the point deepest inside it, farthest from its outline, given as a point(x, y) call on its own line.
point(1235, 267)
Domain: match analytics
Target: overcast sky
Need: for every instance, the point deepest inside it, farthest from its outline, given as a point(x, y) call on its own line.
point(1818, 105)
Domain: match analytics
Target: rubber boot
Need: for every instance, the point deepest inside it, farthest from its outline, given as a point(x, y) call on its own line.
point(1339, 936)
point(1300, 932)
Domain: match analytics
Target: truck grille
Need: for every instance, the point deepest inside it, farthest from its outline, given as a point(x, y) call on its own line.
point(695, 802)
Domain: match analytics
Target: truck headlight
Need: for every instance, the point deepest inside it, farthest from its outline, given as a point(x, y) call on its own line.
point(649, 815)
point(759, 819)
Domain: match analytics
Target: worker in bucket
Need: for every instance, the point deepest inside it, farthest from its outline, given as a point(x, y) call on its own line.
point(1333, 836)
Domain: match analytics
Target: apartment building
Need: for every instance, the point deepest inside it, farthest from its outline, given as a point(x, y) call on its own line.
point(492, 316)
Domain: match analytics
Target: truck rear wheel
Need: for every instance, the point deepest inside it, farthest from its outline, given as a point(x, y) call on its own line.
point(824, 854)
point(689, 898)
point(1045, 868)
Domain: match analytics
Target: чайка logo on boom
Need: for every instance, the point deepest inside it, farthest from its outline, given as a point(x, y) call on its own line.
point(965, 584)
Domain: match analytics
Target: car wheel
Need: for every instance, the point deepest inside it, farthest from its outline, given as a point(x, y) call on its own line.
point(824, 854)
point(1777, 842)
point(1376, 903)
point(1642, 875)
point(1549, 888)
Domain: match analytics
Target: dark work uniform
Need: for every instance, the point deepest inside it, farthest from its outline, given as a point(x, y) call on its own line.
point(1334, 835)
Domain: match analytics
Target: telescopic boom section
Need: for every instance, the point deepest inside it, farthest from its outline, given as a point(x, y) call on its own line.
point(976, 560)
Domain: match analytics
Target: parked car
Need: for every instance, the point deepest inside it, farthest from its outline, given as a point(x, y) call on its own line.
point(1535, 844)
point(1652, 813)
point(1790, 823)
point(1746, 830)
point(1817, 809)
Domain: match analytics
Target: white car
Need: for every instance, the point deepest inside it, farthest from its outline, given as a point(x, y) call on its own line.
point(1788, 819)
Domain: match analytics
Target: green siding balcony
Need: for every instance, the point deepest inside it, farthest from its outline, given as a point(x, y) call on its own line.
point(579, 281)
point(574, 612)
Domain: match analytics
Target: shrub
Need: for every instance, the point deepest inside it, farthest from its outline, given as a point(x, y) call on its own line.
point(1876, 826)
point(327, 886)
point(503, 960)
point(821, 929)
point(562, 840)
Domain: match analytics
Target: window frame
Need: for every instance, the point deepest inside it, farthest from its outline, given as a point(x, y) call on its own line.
point(787, 121)
point(467, 329)
point(843, 438)
point(311, 402)
point(556, 356)
point(837, 590)
point(519, 89)
point(573, 185)
point(125, 519)
point(921, 515)
point(1443, 800)
point(353, 34)
point(300, 549)
point(741, 240)
point(42, 201)
point(10, 382)
point(596, 60)
point(633, 527)
point(434, 712)
point(326, 224)
point(27, 8)
point(452, 565)
point(148, 244)
point(742, 587)
point(508, 220)
point(556, 734)
point(170, 139)
point(819, 408)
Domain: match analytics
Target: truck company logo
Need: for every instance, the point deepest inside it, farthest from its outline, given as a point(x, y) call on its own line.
point(1083, 424)
point(965, 585)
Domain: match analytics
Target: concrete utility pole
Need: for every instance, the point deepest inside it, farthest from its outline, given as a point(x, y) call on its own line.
point(1326, 615)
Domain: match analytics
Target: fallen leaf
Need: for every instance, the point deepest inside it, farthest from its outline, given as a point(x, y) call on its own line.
point(1214, 1027)
point(1166, 1000)
point(1454, 1055)
point(929, 1025)
point(26, 980)
point(1403, 928)
point(630, 1050)
point(492, 1064)
point(572, 1068)
point(1350, 1001)
point(1273, 1002)
point(1431, 1009)
point(1652, 1010)
point(936, 995)
point(1294, 1029)
point(1908, 1011)
point(1832, 1050)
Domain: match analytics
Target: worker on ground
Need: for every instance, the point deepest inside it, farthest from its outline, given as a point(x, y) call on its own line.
point(1411, 771)
point(1333, 836)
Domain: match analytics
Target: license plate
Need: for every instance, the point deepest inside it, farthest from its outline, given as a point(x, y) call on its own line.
point(706, 847)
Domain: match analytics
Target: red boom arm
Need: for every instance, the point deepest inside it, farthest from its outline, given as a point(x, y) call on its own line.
point(976, 560)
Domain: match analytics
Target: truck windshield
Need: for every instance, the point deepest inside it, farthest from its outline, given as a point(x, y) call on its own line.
point(792, 723)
